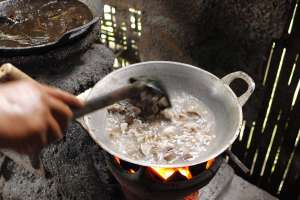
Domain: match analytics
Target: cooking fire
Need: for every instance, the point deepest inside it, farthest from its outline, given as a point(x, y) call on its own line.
point(151, 130)
point(166, 173)
point(145, 183)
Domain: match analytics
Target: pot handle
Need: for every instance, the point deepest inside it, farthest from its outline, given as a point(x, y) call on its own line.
point(77, 31)
point(228, 79)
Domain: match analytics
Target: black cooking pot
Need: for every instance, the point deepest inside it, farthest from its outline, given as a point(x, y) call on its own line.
point(95, 6)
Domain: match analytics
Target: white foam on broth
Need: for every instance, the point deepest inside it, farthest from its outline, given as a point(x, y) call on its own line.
point(177, 134)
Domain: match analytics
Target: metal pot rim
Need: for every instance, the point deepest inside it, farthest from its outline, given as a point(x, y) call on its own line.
point(239, 101)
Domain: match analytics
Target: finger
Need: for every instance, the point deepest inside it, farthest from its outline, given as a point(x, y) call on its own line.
point(67, 98)
point(54, 130)
point(58, 107)
point(44, 138)
point(61, 112)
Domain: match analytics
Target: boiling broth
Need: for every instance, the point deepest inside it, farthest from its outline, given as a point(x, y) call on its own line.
point(177, 134)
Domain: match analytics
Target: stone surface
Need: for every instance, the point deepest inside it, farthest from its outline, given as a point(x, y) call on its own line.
point(79, 72)
point(24, 161)
point(76, 170)
point(20, 184)
point(228, 186)
point(218, 184)
point(78, 167)
point(241, 189)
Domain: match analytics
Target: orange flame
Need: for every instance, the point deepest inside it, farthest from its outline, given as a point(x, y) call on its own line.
point(166, 173)
point(118, 160)
point(131, 171)
point(193, 196)
point(209, 163)
point(185, 171)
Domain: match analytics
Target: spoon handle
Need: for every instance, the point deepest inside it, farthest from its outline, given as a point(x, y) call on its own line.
point(108, 99)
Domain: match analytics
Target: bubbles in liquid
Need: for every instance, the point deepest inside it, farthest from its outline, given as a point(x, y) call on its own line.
point(177, 134)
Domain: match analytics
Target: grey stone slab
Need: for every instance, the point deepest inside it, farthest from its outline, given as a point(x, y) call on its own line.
point(218, 184)
point(228, 186)
point(242, 190)
point(80, 72)
point(20, 184)
point(22, 160)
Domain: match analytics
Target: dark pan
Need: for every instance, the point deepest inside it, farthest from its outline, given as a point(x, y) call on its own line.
point(96, 8)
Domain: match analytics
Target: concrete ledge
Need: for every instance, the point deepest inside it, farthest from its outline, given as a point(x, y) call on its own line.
point(218, 184)
point(242, 190)
point(228, 186)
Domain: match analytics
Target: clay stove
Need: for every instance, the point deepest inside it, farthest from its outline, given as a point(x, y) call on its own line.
point(74, 67)
point(147, 183)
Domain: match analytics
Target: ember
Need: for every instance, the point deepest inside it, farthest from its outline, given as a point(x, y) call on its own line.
point(192, 196)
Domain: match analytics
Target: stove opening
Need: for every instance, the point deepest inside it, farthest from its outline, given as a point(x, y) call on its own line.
point(147, 183)
point(167, 174)
point(129, 167)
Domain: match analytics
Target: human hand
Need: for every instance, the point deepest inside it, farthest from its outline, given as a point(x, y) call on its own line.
point(31, 115)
